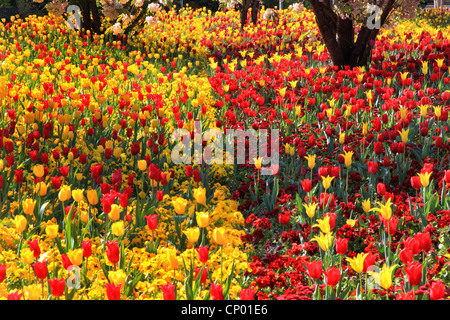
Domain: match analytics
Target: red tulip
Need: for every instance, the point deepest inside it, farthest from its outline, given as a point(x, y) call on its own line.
point(306, 185)
point(113, 291)
point(34, 246)
point(413, 273)
point(413, 245)
point(65, 261)
point(391, 225)
point(87, 248)
point(188, 171)
point(341, 245)
point(197, 176)
point(378, 147)
point(381, 189)
point(96, 172)
point(168, 291)
point(64, 171)
point(415, 182)
point(15, 296)
point(283, 218)
point(437, 290)
point(447, 176)
point(112, 251)
point(369, 261)
point(56, 182)
point(152, 221)
point(203, 253)
point(18, 175)
point(57, 286)
point(424, 240)
point(216, 292)
point(314, 269)
point(116, 177)
point(332, 220)
point(2, 272)
point(332, 276)
point(372, 167)
point(204, 274)
point(123, 199)
point(406, 296)
point(40, 269)
point(406, 256)
point(55, 154)
point(247, 294)
point(159, 195)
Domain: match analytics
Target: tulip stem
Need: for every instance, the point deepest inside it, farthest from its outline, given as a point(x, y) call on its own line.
point(221, 264)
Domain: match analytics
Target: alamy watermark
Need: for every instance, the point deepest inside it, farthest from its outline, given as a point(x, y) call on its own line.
point(374, 19)
point(73, 21)
point(74, 280)
point(213, 146)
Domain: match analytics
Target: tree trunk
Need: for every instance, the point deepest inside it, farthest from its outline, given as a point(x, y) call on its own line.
point(339, 35)
point(86, 15)
point(95, 17)
point(244, 12)
point(255, 8)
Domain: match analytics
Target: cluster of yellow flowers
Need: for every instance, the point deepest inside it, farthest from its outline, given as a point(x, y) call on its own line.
point(77, 95)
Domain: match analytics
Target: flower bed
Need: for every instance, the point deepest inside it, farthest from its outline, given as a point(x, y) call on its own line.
point(94, 207)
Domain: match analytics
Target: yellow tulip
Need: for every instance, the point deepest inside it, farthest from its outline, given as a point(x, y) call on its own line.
point(220, 236)
point(404, 135)
point(75, 256)
point(172, 258)
point(425, 178)
point(28, 206)
point(364, 128)
point(77, 195)
point(366, 205)
point(326, 182)
point(41, 188)
point(403, 112)
point(351, 222)
point(38, 170)
point(424, 67)
point(52, 231)
point(437, 111)
point(423, 110)
point(20, 223)
point(202, 219)
point(27, 256)
point(383, 278)
point(192, 234)
point(179, 205)
point(118, 228)
point(65, 193)
point(114, 214)
point(310, 209)
point(200, 195)
point(357, 263)
point(323, 224)
point(32, 292)
point(311, 161)
point(347, 158)
point(342, 138)
point(325, 240)
point(118, 277)
point(258, 162)
point(385, 210)
point(92, 197)
point(142, 165)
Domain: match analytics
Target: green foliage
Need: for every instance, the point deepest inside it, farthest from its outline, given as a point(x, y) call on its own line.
point(7, 4)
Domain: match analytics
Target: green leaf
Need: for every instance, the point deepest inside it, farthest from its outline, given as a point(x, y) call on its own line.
point(228, 282)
